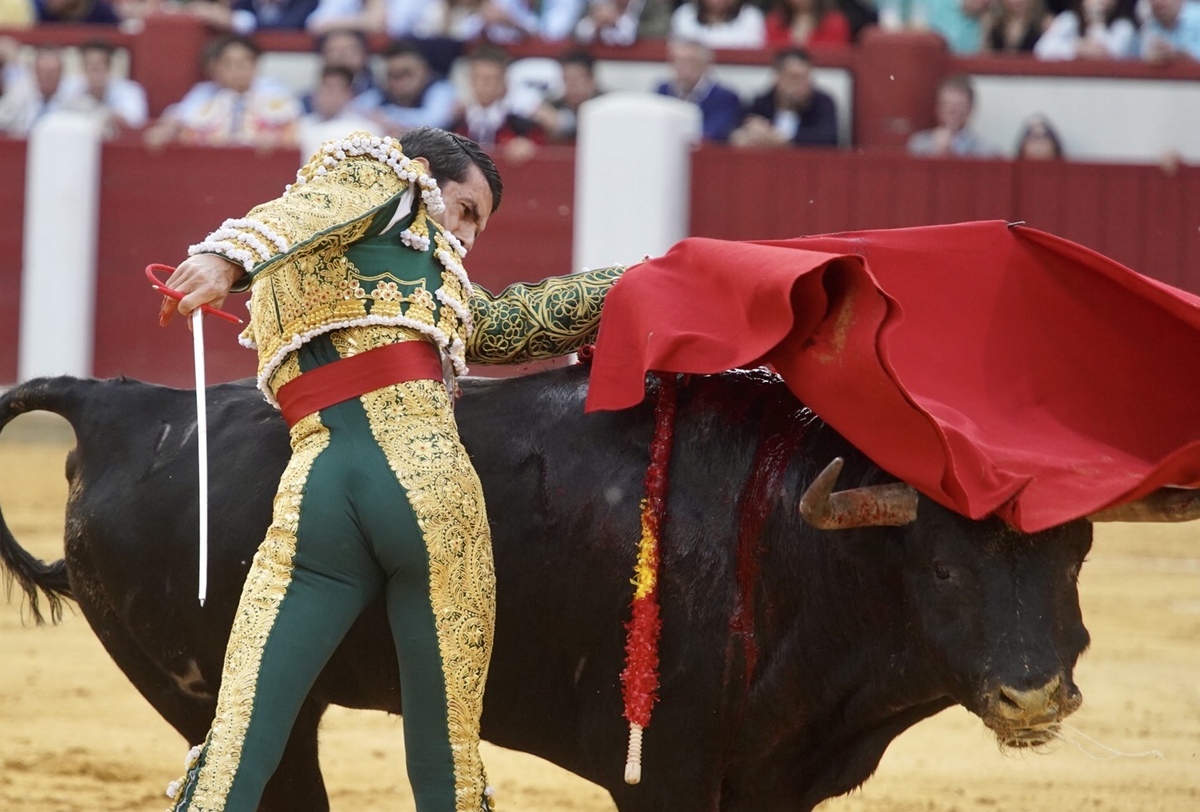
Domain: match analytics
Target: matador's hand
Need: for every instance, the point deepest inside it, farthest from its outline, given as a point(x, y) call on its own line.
point(204, 279)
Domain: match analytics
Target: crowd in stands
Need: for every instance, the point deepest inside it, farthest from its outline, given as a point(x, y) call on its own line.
point(407, 85)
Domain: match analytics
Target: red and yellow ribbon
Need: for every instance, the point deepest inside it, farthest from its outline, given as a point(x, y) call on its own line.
point(639, 680)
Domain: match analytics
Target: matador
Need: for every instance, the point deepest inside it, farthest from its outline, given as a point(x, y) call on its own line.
point(363, 315)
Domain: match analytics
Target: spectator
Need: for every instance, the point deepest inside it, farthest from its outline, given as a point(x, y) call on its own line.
point(17, 14)
point(793, 112)
point(1038, 141)
point(720, 23)
point(957, 21)
point(76, 11)
point(235, 107)
point(411, 95)
point(720, 107)
point(238, 16)
point(952, 136)
point(560, 117)
point(455, 20)
point(396, 18)
point(333, 114)
point(806, 22)
point(509, 21)
point(624, 22)
point(1089, 29)
point(1170, 30)
point(30, 95)
point(1014, 26)
point(122, 101)
point(345, 48)
point(488, 119)
point(504, 21)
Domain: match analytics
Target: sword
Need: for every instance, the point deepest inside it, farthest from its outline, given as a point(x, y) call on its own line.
point(201, 409)
point(202, 446)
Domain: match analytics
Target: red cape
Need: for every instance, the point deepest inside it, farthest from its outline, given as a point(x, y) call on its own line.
point(996, 369)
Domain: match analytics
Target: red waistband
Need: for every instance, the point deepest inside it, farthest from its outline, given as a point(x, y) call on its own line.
point(350, 377)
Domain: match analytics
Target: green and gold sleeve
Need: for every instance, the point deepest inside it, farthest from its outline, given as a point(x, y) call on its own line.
point(530, 322)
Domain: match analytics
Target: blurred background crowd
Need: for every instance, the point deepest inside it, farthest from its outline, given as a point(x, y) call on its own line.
point(388, 65)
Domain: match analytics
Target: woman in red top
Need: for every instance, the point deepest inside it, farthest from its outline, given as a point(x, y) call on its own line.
point(806, 22)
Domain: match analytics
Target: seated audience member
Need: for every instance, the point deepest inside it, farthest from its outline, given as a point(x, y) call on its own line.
point(455, 20)
point(624, 22)
point(952, 136)
point(333, 114)
point(1089, 29)
point(29, 95)
point(411, 94)
point(123, 101)
point(793, 112)
point(247, 16)
point(720, 23)
point(76, 11)
point(503, 21)
point(511, 21)
point(806, 22)
point(959, 22)
point(720, 107)
point(17, 14)
point(488, 119)
point(1014, 26)
point(1171, 30)
point(1038, 141)
point(560, 117)
point(344, 48)
point(396, 18)
point(235, 107)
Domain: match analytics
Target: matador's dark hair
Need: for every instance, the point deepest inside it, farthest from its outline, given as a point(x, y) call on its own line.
point(450, 157)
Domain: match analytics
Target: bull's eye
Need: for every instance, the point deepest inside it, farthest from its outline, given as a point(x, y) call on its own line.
point(941, 571)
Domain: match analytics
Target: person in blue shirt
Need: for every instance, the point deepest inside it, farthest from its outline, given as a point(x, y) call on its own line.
point(411, 94)
point(720, 107)
point(1171, 30)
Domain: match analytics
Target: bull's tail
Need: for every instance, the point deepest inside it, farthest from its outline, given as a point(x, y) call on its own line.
point(35, 577)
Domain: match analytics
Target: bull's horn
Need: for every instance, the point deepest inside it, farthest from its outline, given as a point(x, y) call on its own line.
point(878, 505)
point(1164, 505)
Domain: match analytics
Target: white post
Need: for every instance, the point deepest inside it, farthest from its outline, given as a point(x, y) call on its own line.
point(58, 275)
point(632, 177)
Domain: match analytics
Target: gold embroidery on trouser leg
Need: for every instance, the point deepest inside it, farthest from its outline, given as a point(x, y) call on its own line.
point(266, 584)
point(414, 426)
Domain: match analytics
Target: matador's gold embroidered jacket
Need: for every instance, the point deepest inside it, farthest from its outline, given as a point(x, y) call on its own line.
point(351, 243)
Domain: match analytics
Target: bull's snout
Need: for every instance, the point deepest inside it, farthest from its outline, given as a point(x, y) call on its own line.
point(1021, 718)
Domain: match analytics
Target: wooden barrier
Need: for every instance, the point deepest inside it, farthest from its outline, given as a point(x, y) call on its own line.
point(1141, 216)
point(153, 205)
point(12, 203)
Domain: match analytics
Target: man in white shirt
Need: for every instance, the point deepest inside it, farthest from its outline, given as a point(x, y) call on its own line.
point(122, 101)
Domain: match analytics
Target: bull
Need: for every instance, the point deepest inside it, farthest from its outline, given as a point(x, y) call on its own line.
point(793, 650)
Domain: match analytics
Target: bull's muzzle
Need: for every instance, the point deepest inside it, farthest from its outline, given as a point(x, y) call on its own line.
point(1026, 718)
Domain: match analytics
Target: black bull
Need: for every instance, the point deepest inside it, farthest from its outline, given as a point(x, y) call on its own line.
point(791, 656)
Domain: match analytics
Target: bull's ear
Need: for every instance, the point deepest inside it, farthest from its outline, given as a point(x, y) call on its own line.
point(1164, 505)
point(891, 505)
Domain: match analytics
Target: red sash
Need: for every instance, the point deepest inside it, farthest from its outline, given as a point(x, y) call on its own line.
point(350, 377)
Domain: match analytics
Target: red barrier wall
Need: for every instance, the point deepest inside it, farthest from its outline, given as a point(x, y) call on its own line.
point(154, 205)
point(12, 203)
point(1138, 215)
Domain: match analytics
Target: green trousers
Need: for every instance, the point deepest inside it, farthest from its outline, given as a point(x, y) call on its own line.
point(378, 498)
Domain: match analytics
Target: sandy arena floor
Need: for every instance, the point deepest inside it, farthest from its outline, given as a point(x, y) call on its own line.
point(75, 735)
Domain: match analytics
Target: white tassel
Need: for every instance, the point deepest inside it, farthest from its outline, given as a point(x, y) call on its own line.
point(633, 762)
